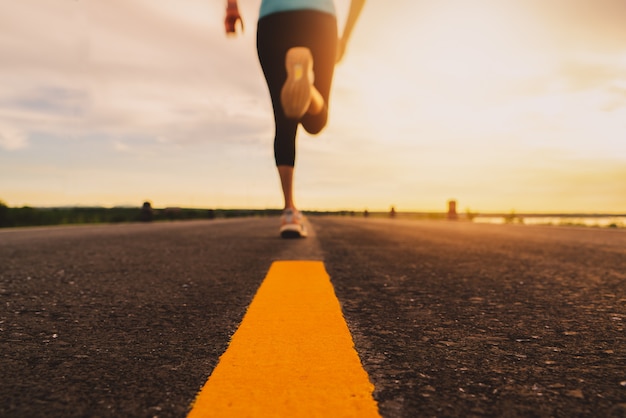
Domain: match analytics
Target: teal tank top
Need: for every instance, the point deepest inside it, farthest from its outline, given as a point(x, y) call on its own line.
point(273, 6)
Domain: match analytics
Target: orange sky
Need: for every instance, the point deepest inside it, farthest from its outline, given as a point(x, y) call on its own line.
point(501, 105)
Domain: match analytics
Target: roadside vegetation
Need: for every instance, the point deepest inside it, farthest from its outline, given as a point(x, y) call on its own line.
point(30, 216)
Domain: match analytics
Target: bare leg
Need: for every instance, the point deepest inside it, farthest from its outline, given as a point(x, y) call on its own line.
point(286, 180)
point(292, 225)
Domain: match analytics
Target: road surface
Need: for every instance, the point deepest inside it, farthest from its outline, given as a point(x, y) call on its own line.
point(448, 318)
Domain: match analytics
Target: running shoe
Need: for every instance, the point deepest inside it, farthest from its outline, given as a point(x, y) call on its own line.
point(292, 224)
point(295, 95)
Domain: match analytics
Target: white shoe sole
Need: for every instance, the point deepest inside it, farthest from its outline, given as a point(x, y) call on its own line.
point(293, 231)
point(295, 95)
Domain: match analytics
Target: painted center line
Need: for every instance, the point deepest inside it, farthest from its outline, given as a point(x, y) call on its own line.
point(292, 356)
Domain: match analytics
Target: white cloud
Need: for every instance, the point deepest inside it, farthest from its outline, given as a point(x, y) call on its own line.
point(121, 146)
point(12, 139)
point(140, 69)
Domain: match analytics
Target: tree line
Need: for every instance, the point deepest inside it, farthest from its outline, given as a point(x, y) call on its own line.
point(31, 216)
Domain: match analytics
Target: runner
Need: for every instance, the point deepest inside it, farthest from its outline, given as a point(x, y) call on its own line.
point(298, 48)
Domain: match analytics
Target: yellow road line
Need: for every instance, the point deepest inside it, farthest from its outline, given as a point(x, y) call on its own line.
point(292, 356)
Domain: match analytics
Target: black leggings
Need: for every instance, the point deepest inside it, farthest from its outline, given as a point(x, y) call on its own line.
point(278, 32)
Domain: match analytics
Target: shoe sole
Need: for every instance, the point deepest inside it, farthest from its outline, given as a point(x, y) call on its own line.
point(292, 231)
point(295, 95)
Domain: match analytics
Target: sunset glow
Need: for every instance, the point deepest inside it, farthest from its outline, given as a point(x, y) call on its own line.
point(517, 105)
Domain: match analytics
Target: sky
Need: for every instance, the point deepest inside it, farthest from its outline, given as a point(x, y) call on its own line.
point(502, 106)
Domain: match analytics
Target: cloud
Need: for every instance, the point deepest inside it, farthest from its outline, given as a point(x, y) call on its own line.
point(140, 69)
point(121, 146)
point(12, 139)
point(43, 101)
point(588, 70)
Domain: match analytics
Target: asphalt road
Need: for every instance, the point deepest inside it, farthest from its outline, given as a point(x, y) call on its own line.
point(449, 319)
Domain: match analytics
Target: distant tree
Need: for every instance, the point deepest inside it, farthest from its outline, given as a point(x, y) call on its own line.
point(4, 214)
point(470, 215)
point(510, 218)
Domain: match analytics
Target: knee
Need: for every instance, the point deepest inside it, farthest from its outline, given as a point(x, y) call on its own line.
point(315, 129)
point(314, 124)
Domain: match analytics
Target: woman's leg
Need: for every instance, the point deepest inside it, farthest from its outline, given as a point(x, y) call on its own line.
point(286, 180)
point(276, 34)
point(324, 51)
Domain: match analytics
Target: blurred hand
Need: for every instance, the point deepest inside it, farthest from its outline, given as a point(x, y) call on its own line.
point(230, 22)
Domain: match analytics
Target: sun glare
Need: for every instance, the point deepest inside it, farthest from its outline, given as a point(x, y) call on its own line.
point(468, 41)
point(450, 58)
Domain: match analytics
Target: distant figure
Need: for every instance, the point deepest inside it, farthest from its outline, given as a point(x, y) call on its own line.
point(392, 212)
point(298, 48)
point(366, 213)
point(452, 215)
point(146, 214)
